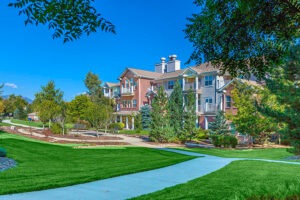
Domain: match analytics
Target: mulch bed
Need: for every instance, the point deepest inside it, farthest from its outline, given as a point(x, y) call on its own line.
point(51, 140)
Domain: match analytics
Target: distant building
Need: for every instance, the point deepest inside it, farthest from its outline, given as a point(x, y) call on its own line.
point(33, 116)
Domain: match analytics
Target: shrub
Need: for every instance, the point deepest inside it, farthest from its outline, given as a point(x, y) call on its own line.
point(233, 141)
point(117, 126)
point(217, 140)
point(56, 128)
point(296, 147)
point(201, 134)
point(2, 152)
point(227, 141)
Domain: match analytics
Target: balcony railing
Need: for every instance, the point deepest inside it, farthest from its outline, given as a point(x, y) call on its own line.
point(127, 91)
point(189, 86)
point(209, 108)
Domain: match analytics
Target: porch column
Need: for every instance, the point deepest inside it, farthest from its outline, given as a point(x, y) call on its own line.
point(126, 122)
point(109, 93)
point(132, 123)
point(116, 119)
point(183, 83)
point(197, 81)
point(121, 120)
point(205, 123)
point(196, 102)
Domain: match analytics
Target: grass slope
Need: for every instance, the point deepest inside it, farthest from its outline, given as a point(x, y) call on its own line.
point(239, 180)
point(43, 166)
point(28, 123)
point(273, 154)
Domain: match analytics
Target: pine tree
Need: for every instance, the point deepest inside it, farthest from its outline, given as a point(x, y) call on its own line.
point(219, 126)
point(146, 116)
point(189, 116)
point(175, 109)
point(161, 130)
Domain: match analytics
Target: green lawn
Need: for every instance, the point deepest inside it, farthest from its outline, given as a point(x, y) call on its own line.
point(252, 180)
point(4, 124)
point(42, 166)
point(134, 132)
point(28, 123)
point(272, 153)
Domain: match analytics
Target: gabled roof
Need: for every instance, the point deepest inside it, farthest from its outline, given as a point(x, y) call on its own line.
point(170, 74)
point(142, 73)
point(239, 80)
point(110, 84)
point(204, 67)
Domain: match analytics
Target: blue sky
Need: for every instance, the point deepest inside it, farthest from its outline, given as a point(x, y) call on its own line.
point(146, 31)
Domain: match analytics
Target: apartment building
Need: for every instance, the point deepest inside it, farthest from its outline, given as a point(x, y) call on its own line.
point(212, 90)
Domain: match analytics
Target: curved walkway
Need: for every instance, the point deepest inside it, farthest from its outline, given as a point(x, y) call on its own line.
point(132, 185)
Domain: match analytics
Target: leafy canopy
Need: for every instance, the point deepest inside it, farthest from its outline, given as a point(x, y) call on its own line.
point(69, 19)
point(243, 37)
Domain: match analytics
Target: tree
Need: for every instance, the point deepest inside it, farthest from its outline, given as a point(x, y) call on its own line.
point(98, 115)
point(62, 116)
point(138, 121)
point(16, 104)
point(76, 108)
point(146, 116)
point(189, 116)
point(68, 19)
point(219, 126)
point(175, 109)
point(48, 102)
point(248, 119)
point(161, 130)
point(243, 37)
point(282, 97)
point(93, 84)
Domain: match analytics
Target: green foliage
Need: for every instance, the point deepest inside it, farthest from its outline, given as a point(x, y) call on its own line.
point(2, 152)
point(56, 128)
point(219, 126)
point(146, 116)
point(175, 109)
point(48, 102)
point(161, 131)
point(93, 84)
point(138, 121)
point(189, 116)
point(201, 134)
point(281, 99)
point(248, 119)
point(16, 104)
point(224, 140)
point(243, 37)
point(68, 19)
point(76, 108)
point(117, 126)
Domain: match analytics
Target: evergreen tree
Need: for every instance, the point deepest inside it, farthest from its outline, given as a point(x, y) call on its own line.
point(93, 84)
point(175, 109)
point(219, 126)
point(161, 130)
point(146, 116)
point(189, 116)
point(138, 122)
point(48, 102)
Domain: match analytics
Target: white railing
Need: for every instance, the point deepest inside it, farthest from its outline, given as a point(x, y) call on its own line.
point(188, 86)
point(209, 108)
point(127, 90)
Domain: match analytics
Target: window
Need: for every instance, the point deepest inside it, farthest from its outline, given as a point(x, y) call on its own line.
point(208, 80)
point(170, 85)
point(208, 100)
point(124, 103)
point(127, 83)
point(128, 104)
point(134, 103)
point(228, 101)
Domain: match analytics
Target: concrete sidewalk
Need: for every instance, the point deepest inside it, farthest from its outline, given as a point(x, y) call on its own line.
point(132, 185)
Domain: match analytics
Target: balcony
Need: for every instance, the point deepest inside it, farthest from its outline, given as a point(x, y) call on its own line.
point(127, 91)
point(189, 86)
point(209, 108)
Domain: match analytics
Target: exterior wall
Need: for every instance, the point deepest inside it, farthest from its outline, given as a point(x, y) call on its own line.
point(139, 91)
point(232, 110)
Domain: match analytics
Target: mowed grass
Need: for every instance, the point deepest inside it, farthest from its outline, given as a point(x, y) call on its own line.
point(252, 180)
point(29, 123)
point(42, 166)
point(270, 153)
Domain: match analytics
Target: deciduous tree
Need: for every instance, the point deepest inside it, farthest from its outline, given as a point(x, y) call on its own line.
point(69, 19)
point(243, 37)
point(189, 116)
